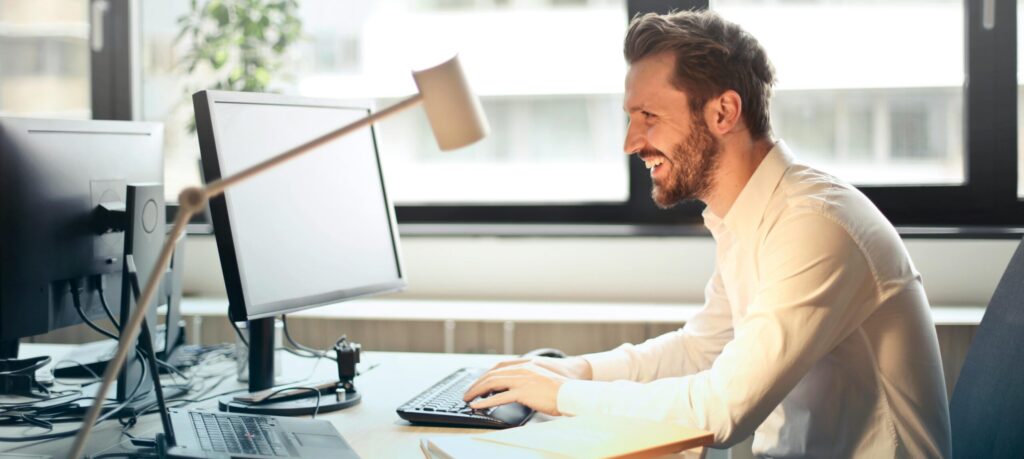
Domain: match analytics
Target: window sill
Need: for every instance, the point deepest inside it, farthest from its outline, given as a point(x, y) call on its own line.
point(677, 230)
point(523, 311)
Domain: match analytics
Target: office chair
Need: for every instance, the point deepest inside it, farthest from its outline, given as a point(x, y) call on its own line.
point(987, 408)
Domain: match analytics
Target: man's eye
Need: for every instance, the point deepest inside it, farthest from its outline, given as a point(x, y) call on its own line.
point(649, 115)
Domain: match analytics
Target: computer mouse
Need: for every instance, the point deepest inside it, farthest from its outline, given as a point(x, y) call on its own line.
point(545, 352)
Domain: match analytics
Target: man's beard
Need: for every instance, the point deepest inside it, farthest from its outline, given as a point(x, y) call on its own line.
point(694, 162)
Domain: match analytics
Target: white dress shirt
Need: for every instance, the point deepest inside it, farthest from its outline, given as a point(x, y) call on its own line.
point(815, 335)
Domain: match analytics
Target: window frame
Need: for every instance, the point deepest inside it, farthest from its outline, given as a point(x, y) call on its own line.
point(986, 199)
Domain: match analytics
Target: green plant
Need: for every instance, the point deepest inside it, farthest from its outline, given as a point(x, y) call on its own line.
point(241, 44)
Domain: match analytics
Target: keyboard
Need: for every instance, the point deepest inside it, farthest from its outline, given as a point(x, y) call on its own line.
point(234, 434)
point(442, 404)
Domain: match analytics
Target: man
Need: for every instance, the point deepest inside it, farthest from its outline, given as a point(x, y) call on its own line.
point(815, 335)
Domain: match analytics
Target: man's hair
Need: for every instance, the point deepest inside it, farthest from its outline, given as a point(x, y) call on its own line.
point(712, 56)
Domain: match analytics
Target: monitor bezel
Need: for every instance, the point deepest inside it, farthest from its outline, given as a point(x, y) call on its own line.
point(206, 127)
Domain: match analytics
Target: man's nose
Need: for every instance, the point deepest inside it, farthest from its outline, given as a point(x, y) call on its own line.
point(635, 140)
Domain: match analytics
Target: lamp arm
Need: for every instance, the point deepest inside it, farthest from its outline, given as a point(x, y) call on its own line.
point(217, 187)
point(192, 200)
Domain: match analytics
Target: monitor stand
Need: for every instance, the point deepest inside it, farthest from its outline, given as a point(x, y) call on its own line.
point(261, 377)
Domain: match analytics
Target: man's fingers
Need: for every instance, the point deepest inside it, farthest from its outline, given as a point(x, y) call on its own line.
point(488, 384)
point(494, 400)
point(481, 385)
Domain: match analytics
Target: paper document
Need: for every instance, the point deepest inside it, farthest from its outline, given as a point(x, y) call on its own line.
point(577, 437)
point(467, 446)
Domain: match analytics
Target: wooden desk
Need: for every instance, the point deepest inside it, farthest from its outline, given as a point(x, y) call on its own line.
point(372, 428)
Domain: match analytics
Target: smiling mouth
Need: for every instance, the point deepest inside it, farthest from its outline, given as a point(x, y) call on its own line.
point(653, 162)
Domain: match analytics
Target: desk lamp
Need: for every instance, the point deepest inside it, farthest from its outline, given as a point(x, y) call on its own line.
point(456, 120)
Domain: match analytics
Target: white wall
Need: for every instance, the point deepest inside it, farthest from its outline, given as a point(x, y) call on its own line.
point(670, 270)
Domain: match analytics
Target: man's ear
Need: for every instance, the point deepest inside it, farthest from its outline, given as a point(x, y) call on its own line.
point(724, 112)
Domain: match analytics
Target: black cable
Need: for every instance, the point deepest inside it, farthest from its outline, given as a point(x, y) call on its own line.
point(59, 410)
point(37, 422)
point(173, 369)
point(8, 406)
point(85, 367)
point(106, 307)
point(207, 355)
point(29, 369)
point(239, 333)
point(135, 454)
point(315, 354)
point(296, 353)
point(77, 301)
point(131, 398)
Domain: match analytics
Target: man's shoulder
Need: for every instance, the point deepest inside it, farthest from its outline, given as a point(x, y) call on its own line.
point(813, 200)
point(804, 189)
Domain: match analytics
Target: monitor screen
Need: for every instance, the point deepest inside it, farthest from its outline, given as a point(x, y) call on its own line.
point(315, 230)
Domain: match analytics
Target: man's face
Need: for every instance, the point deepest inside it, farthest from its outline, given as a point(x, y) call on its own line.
point(674, 142)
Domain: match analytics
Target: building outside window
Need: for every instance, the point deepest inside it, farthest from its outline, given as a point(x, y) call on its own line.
point(871, 91)
point(44, 72)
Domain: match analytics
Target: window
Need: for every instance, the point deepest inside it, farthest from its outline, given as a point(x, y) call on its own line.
point(45, 49)
point(914, 101)
point(552, 95)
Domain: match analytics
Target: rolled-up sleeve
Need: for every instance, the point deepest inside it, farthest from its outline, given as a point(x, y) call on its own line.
point(811, 280)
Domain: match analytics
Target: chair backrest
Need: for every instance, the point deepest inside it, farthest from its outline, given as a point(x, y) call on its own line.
point(987, 408)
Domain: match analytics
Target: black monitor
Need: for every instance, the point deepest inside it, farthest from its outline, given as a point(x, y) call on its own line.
point(65, 212)
point(314, 231)
point(53, 176)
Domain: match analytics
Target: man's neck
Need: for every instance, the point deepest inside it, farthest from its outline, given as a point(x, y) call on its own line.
point(739, 159)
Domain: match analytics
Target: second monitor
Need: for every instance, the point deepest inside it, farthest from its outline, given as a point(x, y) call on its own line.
point(318, 231)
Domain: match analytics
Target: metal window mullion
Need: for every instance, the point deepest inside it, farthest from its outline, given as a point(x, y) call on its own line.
point(112, 69)
point(990, 108)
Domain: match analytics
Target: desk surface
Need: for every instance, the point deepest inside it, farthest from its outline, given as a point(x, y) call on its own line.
point(372, 427)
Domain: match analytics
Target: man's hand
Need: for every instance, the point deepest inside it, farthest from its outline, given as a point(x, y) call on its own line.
point(531, 382)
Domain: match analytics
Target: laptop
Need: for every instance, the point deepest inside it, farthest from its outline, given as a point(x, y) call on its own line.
point(207, 434)
point(211, 434)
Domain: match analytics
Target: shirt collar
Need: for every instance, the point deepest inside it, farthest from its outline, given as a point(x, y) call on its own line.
point(746, 212)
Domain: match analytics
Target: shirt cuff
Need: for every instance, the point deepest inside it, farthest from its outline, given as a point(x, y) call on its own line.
point(611, 365)
point(577, 397)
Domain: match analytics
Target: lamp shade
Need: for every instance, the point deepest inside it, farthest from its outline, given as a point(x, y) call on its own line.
point(453, 110)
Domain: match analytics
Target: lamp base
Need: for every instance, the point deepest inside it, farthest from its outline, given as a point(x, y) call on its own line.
point(294, 407)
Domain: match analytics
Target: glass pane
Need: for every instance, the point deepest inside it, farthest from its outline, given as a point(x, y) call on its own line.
point(869, 90)
point(553, 96)
point(44, 71)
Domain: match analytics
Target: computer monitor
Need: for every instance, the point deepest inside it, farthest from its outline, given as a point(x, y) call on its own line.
point(58, 246)
point(315, 231)
point(53, 175)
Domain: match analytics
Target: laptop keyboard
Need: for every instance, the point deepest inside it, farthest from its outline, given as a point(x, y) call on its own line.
point(239, 434)
point(442, 404)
